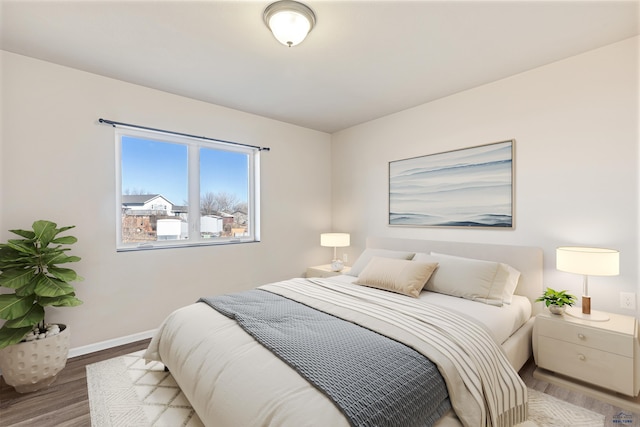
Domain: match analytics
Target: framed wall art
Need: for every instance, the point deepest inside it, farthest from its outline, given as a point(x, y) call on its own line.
point(471, 187)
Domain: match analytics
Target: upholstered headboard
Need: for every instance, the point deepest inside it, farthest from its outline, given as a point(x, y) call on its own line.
point(526, 259)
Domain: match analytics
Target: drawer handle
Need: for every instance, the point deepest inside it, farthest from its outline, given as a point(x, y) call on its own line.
point(582, 357)
point(581, 336)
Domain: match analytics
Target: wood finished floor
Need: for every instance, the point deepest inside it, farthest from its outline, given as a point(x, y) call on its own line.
point(66, 402)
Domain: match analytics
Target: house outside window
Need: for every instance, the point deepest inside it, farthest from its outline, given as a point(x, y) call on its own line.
point(182, 191)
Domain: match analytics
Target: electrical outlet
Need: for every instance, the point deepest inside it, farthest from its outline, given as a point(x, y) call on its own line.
point(628, 300)
point(345, 258)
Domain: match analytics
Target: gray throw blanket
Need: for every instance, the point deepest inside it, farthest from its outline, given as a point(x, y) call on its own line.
point(373, 380)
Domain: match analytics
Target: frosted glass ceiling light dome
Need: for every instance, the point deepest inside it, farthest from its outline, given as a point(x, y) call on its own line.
point(289, 21)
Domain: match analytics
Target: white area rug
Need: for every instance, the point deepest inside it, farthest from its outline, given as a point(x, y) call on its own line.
point(547, 411)
point(124, 392)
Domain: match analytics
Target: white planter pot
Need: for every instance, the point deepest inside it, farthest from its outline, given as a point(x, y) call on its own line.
point(33, 365)
point(557, 309)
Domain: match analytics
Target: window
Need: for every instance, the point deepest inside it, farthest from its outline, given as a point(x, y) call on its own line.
point(183, 191)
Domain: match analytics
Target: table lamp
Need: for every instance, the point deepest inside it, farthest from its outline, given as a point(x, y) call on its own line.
point(335, 240)
point(588, 262)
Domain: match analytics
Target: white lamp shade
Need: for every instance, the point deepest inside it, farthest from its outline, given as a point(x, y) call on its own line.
point(335, 240)
point(588, 261)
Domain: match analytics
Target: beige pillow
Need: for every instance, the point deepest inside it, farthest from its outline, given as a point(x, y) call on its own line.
point(369, 253)
point(396, 275)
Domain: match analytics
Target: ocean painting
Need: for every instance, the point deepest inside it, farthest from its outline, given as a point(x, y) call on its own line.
point(472, 187)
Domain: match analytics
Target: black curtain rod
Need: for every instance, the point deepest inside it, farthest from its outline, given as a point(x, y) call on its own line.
point(114, 124)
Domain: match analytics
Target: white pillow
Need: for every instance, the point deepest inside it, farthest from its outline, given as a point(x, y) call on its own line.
point(511, 276)
point(367, 254)
point(465, 277)
point(396, 275)
point(506, 276)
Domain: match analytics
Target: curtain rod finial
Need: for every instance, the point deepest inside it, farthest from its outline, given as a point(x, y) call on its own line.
point(109, 122)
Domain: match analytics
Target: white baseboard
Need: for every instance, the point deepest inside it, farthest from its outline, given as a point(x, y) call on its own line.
point(103, 345)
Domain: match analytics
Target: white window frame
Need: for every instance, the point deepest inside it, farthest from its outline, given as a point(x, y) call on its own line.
point(193, 145)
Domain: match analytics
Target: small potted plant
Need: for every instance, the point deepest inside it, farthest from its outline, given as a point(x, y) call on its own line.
point(29, 268)
point(556, 301)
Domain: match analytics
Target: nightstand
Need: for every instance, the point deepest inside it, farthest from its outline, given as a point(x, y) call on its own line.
point(325, 271)
point(593, 357)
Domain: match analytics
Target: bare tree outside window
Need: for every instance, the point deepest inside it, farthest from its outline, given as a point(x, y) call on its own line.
point(216, 203)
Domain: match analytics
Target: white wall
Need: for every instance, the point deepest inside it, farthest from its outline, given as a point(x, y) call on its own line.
point(58, 163)
point(575, 123)
point(576, 128)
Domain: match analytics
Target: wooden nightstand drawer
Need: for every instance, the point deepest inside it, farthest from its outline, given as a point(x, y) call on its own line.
point(591, 365)
point(586, 336)
point(605, 354)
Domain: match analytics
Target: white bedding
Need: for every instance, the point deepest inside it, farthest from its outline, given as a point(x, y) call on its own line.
point(502, 321)
point(232, 380)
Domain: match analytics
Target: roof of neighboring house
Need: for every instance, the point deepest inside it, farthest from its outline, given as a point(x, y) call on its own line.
point(212, 216)
point(140, 199)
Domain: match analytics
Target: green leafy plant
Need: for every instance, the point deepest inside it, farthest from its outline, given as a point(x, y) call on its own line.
point(29, 266)
point(559, 298)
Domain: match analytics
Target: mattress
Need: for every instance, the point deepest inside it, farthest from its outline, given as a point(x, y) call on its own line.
point(501, 322)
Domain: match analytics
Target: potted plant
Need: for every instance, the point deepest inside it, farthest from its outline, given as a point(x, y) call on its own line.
point(29, 268)
point(557, 301)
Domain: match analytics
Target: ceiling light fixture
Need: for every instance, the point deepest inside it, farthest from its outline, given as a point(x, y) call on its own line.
point(289, 21)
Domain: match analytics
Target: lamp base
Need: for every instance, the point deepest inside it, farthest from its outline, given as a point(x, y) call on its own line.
point(586, 304)
point(337, 265)
point(594, 316)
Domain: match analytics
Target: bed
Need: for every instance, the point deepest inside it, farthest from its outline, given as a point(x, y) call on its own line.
point(233, 376)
